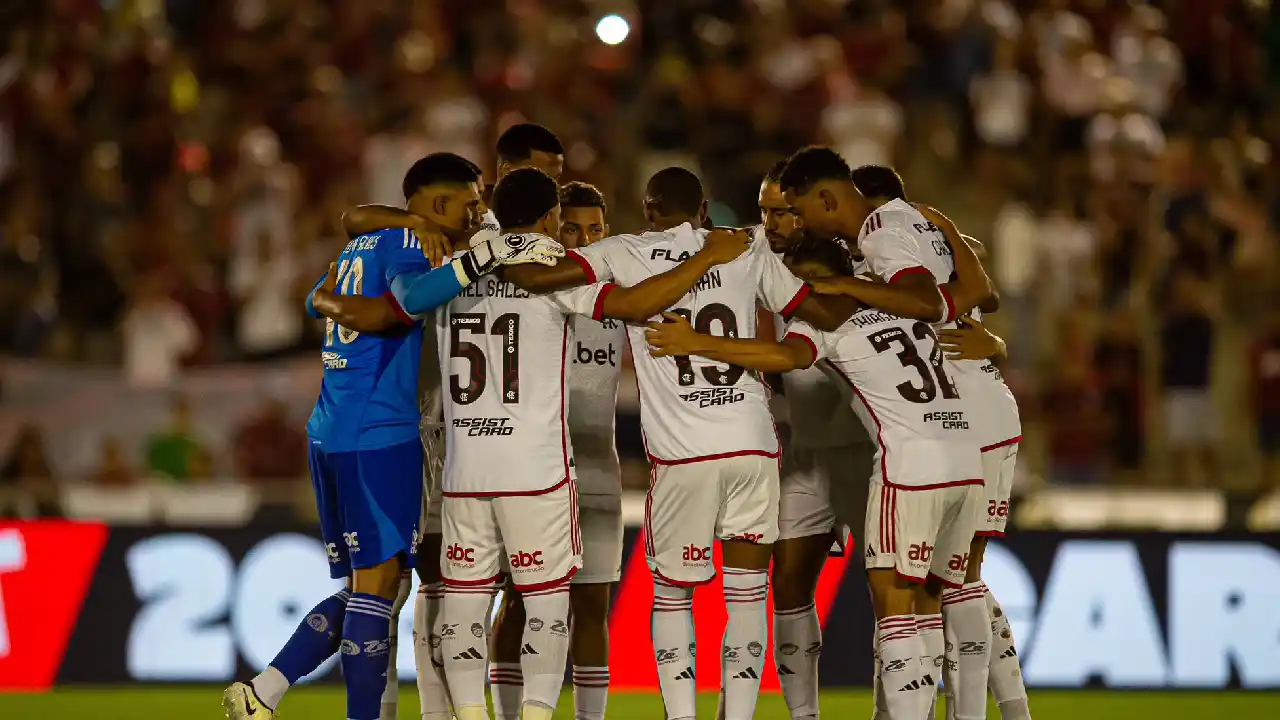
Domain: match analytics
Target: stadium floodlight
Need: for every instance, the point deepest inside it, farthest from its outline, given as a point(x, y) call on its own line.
point(612, 29)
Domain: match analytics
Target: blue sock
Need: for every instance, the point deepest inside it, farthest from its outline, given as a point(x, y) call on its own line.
point(316, 638)
point(366, 654)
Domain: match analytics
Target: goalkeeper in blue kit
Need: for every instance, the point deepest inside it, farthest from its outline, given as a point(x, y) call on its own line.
point(365, 453)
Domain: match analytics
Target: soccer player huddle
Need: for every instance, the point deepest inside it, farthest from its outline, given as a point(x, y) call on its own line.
point(465, 430)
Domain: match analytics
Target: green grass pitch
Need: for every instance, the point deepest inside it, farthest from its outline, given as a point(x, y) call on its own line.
point(203, 703)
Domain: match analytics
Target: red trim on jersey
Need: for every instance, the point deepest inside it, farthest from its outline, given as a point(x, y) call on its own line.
point(950, 302)
point(910, 271)
point(564, 380)
point(989, 533)
point(649, 549)
point(401, 315)
point(884, 452)
point(800, 295)
point(535, 587)
point(807, 341)
point(1003, 443)
point(718, 456)
point(508, 493)
point(884, 468)
point(586, 266)
point(471, 583)
point(597, 313)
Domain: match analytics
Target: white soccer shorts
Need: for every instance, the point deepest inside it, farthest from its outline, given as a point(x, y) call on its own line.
point(690, 505)
point(822, 489)
point(534, 537)
point(922, 532)
point(601, 532)
point(998, 465)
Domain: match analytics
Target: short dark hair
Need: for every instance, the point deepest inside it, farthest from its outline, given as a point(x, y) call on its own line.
point(582, 195)
point(830, 254)
point(523, 196)
point(520, 141)
point(879, 181)
point(811, 165)
point(674, 190)
point(775, 173)
point(439, 168)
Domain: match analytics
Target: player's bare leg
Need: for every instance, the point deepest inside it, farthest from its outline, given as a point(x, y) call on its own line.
point(433, 691)
point(1005, 674)
point(897, 643)
point(315, 640)
point(366, 631)
point(928, 609)
point(589, 648)
point(506, 683)
point(797, 633)
point(746, 591)
point(391, 693)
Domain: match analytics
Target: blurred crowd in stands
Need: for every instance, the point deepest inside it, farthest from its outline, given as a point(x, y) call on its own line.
point(172, 174)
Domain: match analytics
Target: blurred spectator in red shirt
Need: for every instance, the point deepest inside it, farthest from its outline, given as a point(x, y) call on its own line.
point(1265, 374)
point(270, 446)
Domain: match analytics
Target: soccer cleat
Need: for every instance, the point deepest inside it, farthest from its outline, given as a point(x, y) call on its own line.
point(241, 703)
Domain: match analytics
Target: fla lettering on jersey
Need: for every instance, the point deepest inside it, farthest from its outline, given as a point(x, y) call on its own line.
point(905, 398)
point(504, 356)
point(369, 394)
point(691, 408)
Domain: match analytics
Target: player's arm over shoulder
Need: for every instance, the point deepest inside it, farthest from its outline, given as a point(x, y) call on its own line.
point(675, 337)
point(581, 266)
point(972, 287)
point(659, 292)
point(354, 312)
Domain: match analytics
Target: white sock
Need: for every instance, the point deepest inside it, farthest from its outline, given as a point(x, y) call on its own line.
point(929, 628)
point(270, 686)
point(465, 644)
point(1005, 679)
point(797, 640)
point(433, 693)
point(745, 635)
point(590, 692)
point(506, 688)
point(900, 651)
point(544, 649)
point(391, 694)
point(880, 711)
point(673, 642)
point(967, 627)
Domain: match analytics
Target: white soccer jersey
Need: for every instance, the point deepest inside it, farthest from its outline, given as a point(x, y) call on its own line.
point(895, 239)
point(692, 408)
point(905, 398)
point(505, 356)
point(596, 357)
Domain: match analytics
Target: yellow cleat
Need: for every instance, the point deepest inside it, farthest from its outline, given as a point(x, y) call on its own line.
point(241, 703)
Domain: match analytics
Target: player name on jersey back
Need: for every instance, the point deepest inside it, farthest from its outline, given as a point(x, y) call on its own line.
point(504, 356)
point(692, 408)
point(905, 398)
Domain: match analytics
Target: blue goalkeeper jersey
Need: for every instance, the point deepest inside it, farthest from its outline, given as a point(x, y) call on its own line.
point(369, 395)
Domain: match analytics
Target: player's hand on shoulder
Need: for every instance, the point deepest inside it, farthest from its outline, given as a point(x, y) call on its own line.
point(724, 245)
point(672, 336)
point(970, 341)
point(526, 248)
point(434, 244)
